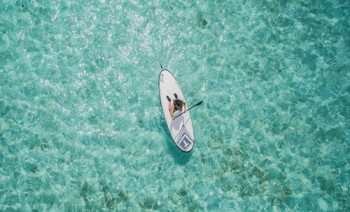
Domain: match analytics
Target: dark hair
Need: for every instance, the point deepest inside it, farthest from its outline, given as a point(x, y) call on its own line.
point(178, 104)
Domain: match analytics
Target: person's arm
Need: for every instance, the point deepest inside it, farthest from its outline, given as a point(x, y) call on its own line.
point(185, 106)
point(172, 112)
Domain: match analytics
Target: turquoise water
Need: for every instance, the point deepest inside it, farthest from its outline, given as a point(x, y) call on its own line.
point(81, 125)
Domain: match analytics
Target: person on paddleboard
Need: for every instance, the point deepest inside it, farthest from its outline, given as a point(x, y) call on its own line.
point(177, 105)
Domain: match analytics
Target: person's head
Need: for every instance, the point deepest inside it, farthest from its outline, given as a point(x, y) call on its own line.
point(178, 104)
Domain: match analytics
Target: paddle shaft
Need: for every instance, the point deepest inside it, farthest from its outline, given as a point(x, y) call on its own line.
point(189, 109)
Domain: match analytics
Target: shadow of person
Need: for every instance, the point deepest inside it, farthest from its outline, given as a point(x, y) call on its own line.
point(180, 157)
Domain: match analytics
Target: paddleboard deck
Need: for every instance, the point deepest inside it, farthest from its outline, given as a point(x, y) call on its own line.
point(181, 128)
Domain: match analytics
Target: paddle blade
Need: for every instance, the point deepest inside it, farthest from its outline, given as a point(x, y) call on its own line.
point(199, 103)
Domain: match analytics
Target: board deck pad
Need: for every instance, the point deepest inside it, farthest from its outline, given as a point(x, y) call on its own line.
point(181, 128)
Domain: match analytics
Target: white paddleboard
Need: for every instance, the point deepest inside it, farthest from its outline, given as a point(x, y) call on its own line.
point(181, 128)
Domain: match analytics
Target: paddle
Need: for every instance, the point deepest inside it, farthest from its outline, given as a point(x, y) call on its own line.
point(199, 103)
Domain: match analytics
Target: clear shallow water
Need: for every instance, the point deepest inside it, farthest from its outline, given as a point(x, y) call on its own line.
point(81, 126)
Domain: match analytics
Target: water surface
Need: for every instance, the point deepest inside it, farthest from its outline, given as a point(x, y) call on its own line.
point(82, 129)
